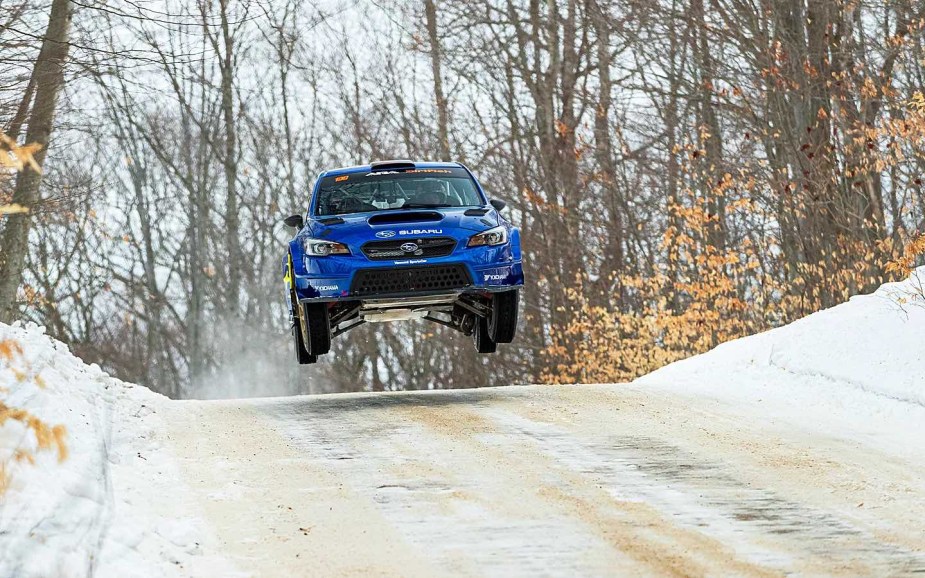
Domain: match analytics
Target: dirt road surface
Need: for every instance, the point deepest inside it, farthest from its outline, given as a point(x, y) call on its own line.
point(544, 481)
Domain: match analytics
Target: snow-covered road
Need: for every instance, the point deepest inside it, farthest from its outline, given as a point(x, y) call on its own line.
point(798, 451)
point(529, 481)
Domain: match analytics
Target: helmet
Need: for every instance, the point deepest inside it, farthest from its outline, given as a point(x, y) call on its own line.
point(430, 192)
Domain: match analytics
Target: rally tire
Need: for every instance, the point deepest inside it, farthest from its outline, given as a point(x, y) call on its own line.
point(483, 341)
point(302, 354)
point(316, 328)
point(502, 323)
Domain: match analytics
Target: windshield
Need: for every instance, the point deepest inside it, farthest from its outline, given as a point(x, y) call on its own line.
point(414, 189)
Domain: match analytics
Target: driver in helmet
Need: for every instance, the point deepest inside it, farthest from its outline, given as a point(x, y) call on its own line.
point(430, 193)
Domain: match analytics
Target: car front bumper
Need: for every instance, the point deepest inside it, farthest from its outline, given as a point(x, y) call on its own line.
point(477, 277)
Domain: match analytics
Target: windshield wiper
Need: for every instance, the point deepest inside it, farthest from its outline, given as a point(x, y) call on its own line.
point(425, 205)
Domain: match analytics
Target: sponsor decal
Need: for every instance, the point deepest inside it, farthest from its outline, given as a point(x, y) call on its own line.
point(419, 232)
point(326, 287)
point(385, 234)
point(409, 247)
point(410, 172)
point(410, 262)
point(495, 277)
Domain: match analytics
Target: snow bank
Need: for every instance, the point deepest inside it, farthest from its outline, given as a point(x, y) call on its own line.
point(92, 513)
point(858, 367)
point(874, 343)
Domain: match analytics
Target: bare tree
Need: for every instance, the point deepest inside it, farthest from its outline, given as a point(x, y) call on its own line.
point(44, 87)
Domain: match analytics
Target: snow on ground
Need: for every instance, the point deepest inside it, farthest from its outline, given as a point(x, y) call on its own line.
point(99, 511)
point(861, 362)
point(798, 450)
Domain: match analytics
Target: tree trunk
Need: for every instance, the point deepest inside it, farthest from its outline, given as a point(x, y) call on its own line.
point(49, 79)
point(232, 219)
point(613, 258)
point(430, 13)
point(713, 144)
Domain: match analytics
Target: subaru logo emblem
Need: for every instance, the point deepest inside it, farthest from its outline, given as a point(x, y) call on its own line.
point(409, 247)
point(385, 234)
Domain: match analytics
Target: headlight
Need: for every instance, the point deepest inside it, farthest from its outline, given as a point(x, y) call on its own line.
point(495, 236)
point(321, 248)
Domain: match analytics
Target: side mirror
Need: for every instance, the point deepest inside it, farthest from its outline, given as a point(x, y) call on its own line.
point(295, 221)
point(498, 204)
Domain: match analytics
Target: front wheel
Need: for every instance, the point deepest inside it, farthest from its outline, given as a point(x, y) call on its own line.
point(301, 351)
point(303, 355)
point(483, 341)
point(502, 321)
point(316, 328)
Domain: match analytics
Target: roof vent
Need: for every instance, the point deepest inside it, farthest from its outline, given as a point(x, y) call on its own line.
point(393, 165)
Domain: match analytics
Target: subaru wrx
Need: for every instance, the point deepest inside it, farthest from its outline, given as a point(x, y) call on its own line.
point(400, 240)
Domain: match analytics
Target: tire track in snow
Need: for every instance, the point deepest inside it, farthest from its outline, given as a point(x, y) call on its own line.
point(535, 481)
point(881, 493)
point(515, 488)
point(644, 534)
point(701, 494)
point(276, 509)
point(466, 518)
point(700, 487)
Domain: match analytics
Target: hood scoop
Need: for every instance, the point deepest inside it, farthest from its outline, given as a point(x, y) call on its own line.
point(395, 217)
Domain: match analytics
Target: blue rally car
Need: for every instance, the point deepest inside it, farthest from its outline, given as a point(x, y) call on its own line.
point(399, 240)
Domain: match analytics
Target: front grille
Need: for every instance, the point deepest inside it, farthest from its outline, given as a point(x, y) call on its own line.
point(368, 282)
point(392, 249)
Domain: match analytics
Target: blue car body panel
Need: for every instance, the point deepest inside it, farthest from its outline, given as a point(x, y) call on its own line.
point(330, 278)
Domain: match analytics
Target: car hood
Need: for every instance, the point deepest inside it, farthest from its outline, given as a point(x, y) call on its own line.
point(397, 224)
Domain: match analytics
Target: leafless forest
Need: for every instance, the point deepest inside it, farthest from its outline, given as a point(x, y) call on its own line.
point(684, 172)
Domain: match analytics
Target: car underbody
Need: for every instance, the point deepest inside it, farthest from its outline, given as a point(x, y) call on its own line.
point(489, 317)
point(458, 311)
